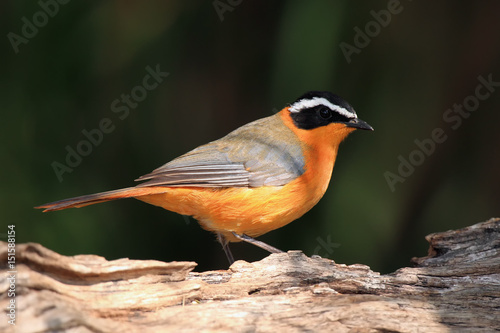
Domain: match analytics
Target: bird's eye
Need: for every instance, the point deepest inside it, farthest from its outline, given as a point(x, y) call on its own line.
point(325, 112)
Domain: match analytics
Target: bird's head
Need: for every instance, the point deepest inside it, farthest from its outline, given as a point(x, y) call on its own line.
point(321, 115)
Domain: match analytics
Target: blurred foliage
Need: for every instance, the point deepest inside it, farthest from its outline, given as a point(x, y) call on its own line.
point(225, 73)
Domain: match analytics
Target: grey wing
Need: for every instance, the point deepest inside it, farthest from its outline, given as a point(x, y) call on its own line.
point(244, 158)
point(205, 166)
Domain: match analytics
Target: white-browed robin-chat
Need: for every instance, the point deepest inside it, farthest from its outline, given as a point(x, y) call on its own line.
point(257, 178)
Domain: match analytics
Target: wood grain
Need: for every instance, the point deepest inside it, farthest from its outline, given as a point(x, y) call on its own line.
point(455, 288)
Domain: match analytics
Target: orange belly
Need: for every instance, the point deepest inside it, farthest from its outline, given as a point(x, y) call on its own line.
point(249, 211)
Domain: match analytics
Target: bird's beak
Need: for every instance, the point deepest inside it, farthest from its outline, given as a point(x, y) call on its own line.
point(359, 124)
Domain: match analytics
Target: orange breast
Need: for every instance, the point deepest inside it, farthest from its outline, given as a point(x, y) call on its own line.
point(256, 211)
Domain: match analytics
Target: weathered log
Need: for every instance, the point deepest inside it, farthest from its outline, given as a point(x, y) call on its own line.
point(456, 287)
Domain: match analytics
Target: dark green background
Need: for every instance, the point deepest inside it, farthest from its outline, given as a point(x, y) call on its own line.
point(223, 74)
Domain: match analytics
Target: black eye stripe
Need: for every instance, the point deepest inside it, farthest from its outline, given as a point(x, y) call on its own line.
point(320, 108)
point(311, 117)
point(333, 115)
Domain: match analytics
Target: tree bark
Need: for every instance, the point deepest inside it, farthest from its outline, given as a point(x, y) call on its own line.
point(455, 288)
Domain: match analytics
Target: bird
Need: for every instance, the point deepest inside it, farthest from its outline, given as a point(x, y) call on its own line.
point(256, 179)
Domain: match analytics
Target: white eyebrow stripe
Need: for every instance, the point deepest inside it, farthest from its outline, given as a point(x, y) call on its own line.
point(310, 103)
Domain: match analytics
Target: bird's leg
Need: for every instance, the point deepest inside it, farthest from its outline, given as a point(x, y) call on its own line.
point(225, 246)
point(258, 243)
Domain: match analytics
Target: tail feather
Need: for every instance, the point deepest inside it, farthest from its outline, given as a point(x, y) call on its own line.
point(85, 200)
